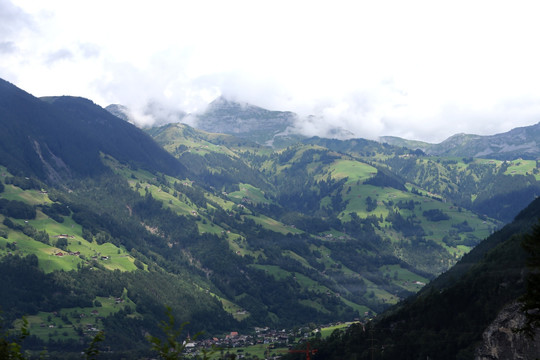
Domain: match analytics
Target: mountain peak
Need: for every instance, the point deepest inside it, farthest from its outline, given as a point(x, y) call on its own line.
point(120, 111)
point(222, 103)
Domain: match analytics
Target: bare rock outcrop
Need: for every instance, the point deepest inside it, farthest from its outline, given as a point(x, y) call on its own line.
point(502, 341)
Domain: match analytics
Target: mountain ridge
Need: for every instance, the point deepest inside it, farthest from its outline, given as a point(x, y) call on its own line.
point(63, 137)
point(522, 142)
point(279, 128)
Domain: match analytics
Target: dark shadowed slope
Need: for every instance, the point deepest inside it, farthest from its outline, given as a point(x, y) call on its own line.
point(62, 137)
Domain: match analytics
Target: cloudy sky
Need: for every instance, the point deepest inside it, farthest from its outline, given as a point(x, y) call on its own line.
point(417, 69)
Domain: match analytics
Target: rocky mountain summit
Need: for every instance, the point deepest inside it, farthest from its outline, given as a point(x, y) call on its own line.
point(226, 116)
point(245, 120)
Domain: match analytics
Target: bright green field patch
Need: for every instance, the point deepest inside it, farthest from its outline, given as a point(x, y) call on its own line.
point(380, 294)
point(222, 203)
point(248, 193)
point(73, 323)
point(273, 225)
point(168, 200)
point(108, 255)
point(239, 245)
point(404, 278)
point(207, 227)
point(31, 197)
point(315, 305)
point(356, 200)
point(355, 171)
point(310, 284)
point(274, 270)
point(521, 167)
point(48, 262)
point(296, 257)
point(327, 331)
point(361, 309)
point(53, 228)
point(236, 311)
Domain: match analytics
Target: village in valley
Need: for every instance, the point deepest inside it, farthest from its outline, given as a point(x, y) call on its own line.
point(274, 343)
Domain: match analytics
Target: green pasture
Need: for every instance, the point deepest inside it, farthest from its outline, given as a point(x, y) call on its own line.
point(47, 261)
point(328, 262)
point(435, 230)
point(361, 309)
point(353, 170)
point(169, 200)
point(327, 331)
point(53, 228)
point(314, 305)
point(222, 203)
point(309, 284)
point(273, 270)
point(197, 141)
point(274, 225)
point(380, 294)
point(296, 257)
point(31, 197)
point(236, 311)
point(280, 274)
point(117, 258)
point(357, 195)
point(69, 323)
point(238, 245)
point(522, 167)
point(403, 277)
point(249, 192)
point(208, 227)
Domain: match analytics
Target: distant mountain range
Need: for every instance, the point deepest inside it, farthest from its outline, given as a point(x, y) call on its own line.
point(522, 142)
point(277, 128)
point(225, 116)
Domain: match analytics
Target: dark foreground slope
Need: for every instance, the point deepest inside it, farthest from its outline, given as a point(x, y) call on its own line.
point(446, 320)
point(59, 138)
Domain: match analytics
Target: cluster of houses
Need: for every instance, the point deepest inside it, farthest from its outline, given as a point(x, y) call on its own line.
point(78, 253)
point(60, 253)
point(236, 340)
point(262, 336)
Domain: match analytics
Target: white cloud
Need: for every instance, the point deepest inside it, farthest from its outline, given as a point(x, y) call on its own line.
point(418, 69)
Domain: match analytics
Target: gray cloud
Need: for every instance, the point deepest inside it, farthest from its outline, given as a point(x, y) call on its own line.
point(7, 47)
point(12, 20)
point(89, 50)
point(58, 55)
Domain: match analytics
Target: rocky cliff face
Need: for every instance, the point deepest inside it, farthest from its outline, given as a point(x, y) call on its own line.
point(501, 341)
point(244, 120)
